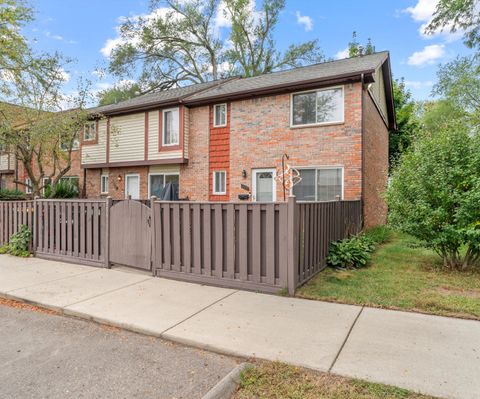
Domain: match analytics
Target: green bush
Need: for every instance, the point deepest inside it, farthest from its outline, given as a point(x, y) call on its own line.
point(351, 252)
point(379, 235)
point(64, 189)
point(11, 195)
point(19, 243)
point(434, 193)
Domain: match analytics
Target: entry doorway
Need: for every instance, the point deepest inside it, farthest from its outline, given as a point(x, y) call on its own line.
point(132, 186)
point(264, 188)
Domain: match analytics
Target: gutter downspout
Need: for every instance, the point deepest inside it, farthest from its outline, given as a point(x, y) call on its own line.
point(362, 196)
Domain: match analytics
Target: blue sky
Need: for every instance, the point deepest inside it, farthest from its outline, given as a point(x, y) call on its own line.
point(81, 29)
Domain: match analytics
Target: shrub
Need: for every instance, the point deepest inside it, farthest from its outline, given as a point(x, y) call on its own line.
point(63, 189)
point(434, 194)
point(351, 252)
point(379, 235)
point(11, 195)
point(19, 243)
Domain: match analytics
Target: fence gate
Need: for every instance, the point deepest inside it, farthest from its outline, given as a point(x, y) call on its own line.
point(131, 234)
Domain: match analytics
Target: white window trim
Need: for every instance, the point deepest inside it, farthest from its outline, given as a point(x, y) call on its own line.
point(102, 176)
point(163, 127)
point(28, 186)
point(214, 114)
point(160, 174)
point(292, 126)
point(94, 123)
point(214, 181)
point(316, 185)
point(254, 182)
point(126, 178)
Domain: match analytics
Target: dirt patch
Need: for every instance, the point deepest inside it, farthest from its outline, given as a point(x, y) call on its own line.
point(24, 306)
point(458, 292)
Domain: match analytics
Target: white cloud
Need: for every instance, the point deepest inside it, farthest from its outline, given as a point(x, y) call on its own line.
point(423, 12)
point(58, 37)
point(345, 53)
point(63, 75)
point(429, 55)
point(417, 84)
point(103, 85)
point(305, 21)
point(110, 45)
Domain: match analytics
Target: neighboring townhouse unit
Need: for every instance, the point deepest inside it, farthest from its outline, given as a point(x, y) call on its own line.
point(224, 140)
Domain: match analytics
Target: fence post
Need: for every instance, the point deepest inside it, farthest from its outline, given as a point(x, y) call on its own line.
point(108, 205)
point(292, 245)
point(152, 233)
point(35, 224)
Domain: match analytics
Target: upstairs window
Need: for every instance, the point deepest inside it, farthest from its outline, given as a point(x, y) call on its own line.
point(171, 127)
point(317, 107)
point(90, 131)
point(322, 184)
point(219, 182)
point(220, 115)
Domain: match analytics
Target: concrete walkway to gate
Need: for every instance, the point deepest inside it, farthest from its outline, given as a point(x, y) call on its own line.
point(434, 355)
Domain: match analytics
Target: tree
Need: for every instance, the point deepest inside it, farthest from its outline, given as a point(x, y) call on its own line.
point(457, 15)
point(14, 50)
point(119, 92)
point(459, 82)
point(355, 49)
point(434, 193)
point(185, 43)
point(407, 121)
point(40, 134)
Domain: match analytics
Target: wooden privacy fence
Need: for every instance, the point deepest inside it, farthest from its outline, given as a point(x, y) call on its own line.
point(264, 247)
point(14, 214)
point(72, 230)
point(257, 246)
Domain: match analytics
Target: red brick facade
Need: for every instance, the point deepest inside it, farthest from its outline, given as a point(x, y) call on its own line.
point(375, 153)
point(256, 135)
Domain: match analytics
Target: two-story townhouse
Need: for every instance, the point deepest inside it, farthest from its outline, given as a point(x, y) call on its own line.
point(224, 140)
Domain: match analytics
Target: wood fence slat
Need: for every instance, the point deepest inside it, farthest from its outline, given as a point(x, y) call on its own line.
point(270, 244)
point(283, 246)
point(75, 229)
point(96, 235)
point(230, 272)
point(187, 245)
point(243, 243)
point(207, 239)
point(218, 217)
point(197, 239)
point(82, 230)
point(177, 250)
point(256, 244)
point(88, 234)
point(167, 237)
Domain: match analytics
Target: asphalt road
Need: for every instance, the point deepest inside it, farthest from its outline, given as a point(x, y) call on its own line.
point(50, 356)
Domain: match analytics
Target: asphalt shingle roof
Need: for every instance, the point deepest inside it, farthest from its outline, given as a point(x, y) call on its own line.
point(156, 97)
point(320, 71)
point(228, 87)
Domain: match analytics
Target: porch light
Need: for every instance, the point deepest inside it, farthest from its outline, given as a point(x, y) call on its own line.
point(244, 173)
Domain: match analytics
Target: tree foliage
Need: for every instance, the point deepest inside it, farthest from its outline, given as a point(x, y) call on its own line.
point(185, 43)
point(355, 49)
point(407, 121)
point(455, 15)
point(117, 93)
point(434, 194)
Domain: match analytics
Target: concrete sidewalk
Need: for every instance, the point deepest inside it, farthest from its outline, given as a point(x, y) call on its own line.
point(434, 355)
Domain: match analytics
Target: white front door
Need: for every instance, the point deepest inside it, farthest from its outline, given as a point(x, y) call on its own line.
point(263, 184)
point(132, 186)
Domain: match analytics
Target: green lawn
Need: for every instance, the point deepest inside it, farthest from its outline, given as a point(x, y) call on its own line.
point(280, 381)
point(401, 275)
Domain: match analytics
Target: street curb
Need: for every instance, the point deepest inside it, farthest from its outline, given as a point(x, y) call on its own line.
point(227, 385)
